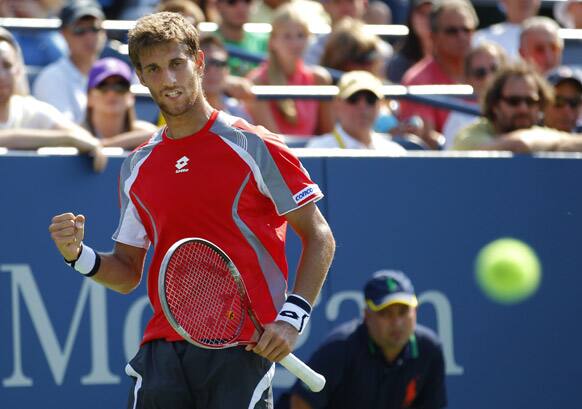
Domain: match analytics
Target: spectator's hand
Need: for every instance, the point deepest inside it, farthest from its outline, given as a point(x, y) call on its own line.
point(424, 130)
point(276, 342)
point(99, 159)
point(404, 128)
point(239, 87)
point(67, 231)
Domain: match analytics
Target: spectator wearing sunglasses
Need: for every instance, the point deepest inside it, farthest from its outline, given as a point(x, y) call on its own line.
point(233, 15)
point(540, 44)
point(215, 79)
point(452, 23)
point(512, 107)
point(27, 123)
point(285, 66)
point(350, 47)
point(63, 84)
point(357, 106)
point(338, 11)
point(481, 64)
point(566, 111)
point(506, 33)
point(111, 113)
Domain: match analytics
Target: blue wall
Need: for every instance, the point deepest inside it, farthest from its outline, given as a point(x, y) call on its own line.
point(65, 340)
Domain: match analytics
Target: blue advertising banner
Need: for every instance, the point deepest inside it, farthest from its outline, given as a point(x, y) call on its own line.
point(65, 340)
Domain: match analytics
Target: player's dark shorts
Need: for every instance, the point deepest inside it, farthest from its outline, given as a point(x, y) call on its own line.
point(178, 375)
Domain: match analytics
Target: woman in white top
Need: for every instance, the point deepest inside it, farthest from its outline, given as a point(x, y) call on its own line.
point(27, 123)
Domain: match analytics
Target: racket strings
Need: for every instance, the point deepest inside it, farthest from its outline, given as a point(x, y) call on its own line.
point(203, 296)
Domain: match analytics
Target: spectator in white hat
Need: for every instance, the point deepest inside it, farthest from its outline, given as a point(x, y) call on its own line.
point(357, 106)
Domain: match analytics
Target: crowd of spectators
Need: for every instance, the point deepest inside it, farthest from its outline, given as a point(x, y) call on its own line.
point(78, 77)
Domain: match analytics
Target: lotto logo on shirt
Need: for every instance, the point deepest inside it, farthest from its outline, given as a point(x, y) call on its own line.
point(181, 164)
point(308, 191)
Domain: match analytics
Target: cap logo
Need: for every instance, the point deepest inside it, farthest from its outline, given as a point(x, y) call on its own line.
point(391, 284)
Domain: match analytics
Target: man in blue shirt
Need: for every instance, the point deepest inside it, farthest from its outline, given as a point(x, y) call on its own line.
point(385, 361)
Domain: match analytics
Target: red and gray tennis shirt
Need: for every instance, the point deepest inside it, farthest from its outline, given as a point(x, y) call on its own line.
point(230, 183)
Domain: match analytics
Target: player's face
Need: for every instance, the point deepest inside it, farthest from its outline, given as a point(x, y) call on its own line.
point(542, 49)
point(391, 327)
point(519, 106)
point(8, 71)
point(173, 77)
point(566, 109)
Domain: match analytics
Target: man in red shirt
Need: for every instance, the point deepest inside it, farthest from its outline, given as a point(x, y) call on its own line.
point(211, 175)
point(452, 25)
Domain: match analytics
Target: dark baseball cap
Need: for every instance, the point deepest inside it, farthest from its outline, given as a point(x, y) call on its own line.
point(77, 9)
point(387, 287)
point(565, 73)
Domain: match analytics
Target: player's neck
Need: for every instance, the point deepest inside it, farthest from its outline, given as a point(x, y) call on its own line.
point(189, 122)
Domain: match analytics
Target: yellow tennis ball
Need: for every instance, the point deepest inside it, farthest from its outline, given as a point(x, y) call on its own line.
point(508, 270)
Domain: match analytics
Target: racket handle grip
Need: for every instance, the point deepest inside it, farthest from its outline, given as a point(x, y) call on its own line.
point(297, 367)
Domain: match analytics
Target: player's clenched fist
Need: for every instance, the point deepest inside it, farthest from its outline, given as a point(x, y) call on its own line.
point(67, 231)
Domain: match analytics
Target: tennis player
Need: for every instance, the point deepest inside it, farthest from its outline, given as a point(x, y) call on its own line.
point(211, 175)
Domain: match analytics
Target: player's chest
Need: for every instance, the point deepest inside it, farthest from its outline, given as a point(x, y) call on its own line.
point(189, 179)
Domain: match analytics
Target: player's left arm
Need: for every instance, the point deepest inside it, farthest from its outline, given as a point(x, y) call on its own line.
point(318, 246)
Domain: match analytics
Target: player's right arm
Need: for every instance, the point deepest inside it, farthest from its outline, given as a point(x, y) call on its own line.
point(121, 270)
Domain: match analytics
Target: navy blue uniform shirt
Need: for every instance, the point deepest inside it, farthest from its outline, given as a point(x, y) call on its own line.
point(358, 375)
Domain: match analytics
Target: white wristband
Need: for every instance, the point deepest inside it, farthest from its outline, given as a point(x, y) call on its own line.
point(295, 311)
point(88, 261)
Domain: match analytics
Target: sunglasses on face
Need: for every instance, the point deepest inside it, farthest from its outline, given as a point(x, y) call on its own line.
point(234, 2)
point(516, 100)
point(573, 103)
point(81, 31)
point(216, 62)
point(117, 87)
point(481, 72)
point(454, 31)
point(370, 98)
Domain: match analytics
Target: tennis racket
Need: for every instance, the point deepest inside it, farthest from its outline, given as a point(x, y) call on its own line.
point(205, 300)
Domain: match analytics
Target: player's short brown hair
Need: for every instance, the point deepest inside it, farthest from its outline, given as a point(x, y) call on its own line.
point(160, 28)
